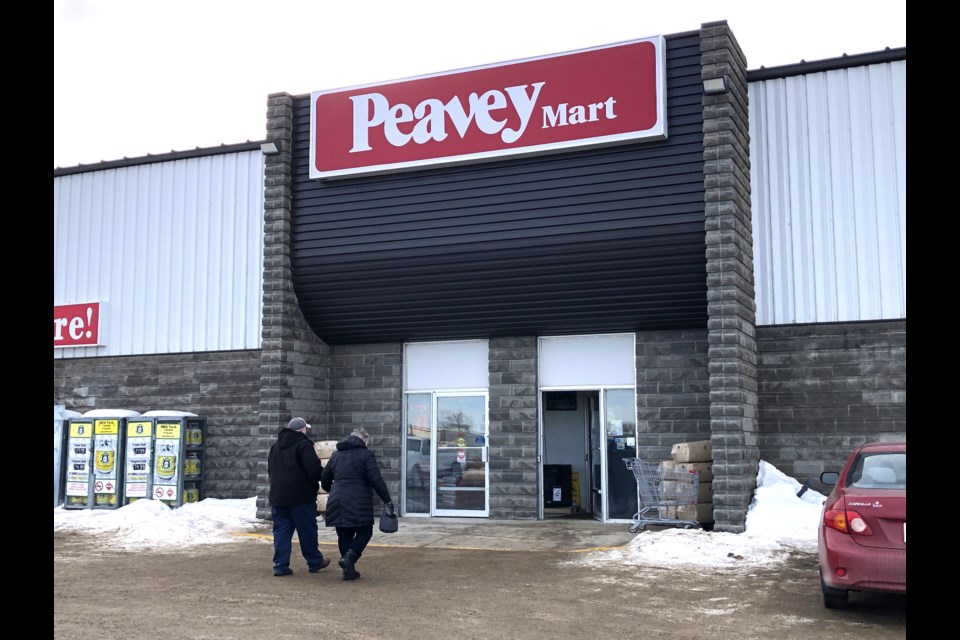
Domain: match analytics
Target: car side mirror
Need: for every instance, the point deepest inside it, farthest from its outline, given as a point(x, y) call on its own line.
point(829, 478)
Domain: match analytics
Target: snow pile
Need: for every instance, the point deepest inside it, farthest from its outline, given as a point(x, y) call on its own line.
point(152, 524)
point(778, 523)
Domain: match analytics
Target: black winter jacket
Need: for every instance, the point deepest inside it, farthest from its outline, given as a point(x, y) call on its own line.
point(350, 476)
point(294, 470)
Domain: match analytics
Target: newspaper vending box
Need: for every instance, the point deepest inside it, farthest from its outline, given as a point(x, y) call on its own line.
point(94, 456)
point(78, 481)
point(139, 459)
point(179, 454)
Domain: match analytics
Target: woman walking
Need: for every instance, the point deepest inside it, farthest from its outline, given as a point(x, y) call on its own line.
point(350, 477)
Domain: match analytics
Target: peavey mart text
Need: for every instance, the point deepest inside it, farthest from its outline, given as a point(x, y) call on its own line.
point(596, 96)
point(373, 110)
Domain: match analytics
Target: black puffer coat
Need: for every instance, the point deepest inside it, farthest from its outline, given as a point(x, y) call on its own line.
point(350, 476)
point(294, 470)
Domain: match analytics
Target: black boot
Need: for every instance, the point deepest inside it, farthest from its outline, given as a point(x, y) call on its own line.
point(346, 563)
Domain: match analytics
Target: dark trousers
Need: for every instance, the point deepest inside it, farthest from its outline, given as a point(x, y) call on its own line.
point(301, 518)
point(354, 539)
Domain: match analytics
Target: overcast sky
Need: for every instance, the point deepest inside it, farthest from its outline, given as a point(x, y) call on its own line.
point(778, 523)
point(132, 77)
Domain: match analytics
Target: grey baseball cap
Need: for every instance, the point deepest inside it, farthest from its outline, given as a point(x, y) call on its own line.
point(299, 423)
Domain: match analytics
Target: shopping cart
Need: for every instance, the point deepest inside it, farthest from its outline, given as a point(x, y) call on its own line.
point(662, 493)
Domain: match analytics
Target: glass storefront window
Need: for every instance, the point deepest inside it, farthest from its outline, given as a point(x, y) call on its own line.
point(446, 454)
point(419, 408)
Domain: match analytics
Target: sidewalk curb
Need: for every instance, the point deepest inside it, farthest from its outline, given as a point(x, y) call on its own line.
point(264, 536)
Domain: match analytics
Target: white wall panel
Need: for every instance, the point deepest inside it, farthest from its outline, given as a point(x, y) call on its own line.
point(173, 251)
point(455, 364)
point(588, 360)
point(828, 181)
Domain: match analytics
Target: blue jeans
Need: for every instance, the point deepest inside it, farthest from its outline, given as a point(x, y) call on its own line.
point(301, 518)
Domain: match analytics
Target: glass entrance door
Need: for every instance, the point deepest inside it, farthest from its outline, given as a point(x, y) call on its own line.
point(446, 454)
point(620, 439)
point(613, 489)
point(460, 473)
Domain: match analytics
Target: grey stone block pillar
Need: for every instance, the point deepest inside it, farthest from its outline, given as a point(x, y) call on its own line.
point(294, 365)
point(731, 307)
point(513, 428)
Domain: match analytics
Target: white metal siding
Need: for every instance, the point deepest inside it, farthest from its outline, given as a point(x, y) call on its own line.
point(173, 251)
point(828, 181)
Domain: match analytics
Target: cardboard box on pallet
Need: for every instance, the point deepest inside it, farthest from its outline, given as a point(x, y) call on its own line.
point(673, 488)
point(700, 451)
point(705, 493)
point(324, 462)
point(705, 468)
point(325, 448)
point(701, 512)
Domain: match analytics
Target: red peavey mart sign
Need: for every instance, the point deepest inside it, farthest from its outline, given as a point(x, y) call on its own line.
point(603, 95)
point(76, 325)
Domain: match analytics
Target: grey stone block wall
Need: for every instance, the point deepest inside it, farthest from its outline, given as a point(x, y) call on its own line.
point(825, 388)
point(731, 310)
point(221, 386)
point(367, 391)
point(673, 390)
point(294, 368)
point(513, 428)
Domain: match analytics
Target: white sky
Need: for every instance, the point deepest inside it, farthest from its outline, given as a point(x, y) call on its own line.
point(778, 522)
point(132, 77)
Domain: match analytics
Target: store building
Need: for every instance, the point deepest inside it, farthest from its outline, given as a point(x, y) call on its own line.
point(731, 267)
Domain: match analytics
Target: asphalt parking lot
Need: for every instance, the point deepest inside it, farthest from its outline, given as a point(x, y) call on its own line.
point(441, 579)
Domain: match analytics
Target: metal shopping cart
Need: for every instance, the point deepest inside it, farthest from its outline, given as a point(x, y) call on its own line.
point(663, 494)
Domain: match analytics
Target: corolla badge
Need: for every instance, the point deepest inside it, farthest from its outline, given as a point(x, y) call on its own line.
point(876, 504)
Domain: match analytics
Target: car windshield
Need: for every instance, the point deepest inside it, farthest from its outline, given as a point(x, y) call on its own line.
point(879, 471)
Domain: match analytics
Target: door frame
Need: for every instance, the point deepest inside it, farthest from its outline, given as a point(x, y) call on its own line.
point(599, 391)
point(433, 508)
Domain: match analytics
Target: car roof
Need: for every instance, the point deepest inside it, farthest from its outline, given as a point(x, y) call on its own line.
point(884, 447)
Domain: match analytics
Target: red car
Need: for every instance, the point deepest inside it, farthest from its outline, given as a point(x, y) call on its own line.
point(862, 538)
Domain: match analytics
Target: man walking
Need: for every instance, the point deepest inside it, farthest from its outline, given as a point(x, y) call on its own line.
point(294, 470)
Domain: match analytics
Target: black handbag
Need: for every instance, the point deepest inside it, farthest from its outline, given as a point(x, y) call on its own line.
point(388, 520)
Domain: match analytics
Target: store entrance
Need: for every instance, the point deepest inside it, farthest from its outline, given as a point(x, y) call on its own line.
point(567, 453)
point(586, 436)
point(446, 455)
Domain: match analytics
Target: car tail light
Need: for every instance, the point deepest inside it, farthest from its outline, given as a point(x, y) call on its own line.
point(846, 521)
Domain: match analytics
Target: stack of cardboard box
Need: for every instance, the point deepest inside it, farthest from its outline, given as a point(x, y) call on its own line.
point(324, 449)
point(693, 456)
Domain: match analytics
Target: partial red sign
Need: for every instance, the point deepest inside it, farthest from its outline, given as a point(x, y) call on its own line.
point(76, 325)
point(604, 95)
